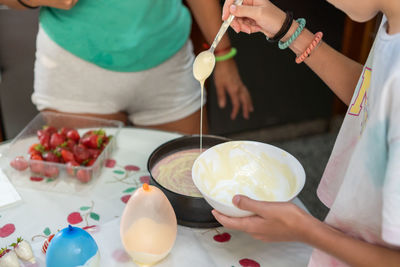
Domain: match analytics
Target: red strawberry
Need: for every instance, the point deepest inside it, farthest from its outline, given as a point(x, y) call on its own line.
point(56, 140)
point(51, 171)
point(92, 141)
point(73, 135)
point(19, 163)
point(71, 170)
point(49, 130)
point(67, 155)
point(94, 153)
point(50, 156)
point(90, 162)
point(36, 165)
point(87, 134)
point(45, 141)
point(64, 130)
point(36, 149)
point(84, 175)
point(80, 153)
point(39, 133)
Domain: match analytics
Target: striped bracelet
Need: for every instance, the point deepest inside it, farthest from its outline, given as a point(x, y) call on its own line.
point(302, 24)
point(316, 41)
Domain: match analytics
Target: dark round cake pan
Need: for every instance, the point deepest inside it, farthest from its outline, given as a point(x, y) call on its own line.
point(190, 211)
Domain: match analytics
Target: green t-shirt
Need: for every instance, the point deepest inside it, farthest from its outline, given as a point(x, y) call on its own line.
point(120, 35)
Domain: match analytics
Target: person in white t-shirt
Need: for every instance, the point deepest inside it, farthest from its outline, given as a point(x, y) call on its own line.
point(361, 183)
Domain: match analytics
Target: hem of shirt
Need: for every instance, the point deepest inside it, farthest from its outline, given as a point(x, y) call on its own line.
point(123, 68)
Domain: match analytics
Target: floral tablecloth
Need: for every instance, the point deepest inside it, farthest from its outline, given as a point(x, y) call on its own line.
point(42, 213)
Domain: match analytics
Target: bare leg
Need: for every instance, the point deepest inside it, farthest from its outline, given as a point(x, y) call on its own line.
point(187, 125)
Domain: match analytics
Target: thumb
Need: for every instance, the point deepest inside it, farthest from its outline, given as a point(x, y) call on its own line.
point(245, 203)
point(245, 11)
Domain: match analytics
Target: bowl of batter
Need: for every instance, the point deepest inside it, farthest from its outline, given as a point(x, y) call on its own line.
point(257, 170)
point(170, 168)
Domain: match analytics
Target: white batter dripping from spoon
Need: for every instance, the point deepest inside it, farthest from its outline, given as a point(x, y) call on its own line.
point(202, 68)
point(204, 64)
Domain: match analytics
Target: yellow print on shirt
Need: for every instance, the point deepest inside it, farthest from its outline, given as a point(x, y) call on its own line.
point(361, 98)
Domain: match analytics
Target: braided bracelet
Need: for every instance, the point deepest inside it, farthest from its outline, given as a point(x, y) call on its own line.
point(302, 24)
point(316, 41)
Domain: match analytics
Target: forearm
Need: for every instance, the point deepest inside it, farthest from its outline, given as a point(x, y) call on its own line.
point(352, 251)
point(12, 4)
point(339, 72)
point(208, 16)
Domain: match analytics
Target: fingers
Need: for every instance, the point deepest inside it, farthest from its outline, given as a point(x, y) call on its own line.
point(221, 95)
point(230, 222)
point(244, 11)
point(225, 9)
point(247, 103)
point(235, 102)
point(245, 203)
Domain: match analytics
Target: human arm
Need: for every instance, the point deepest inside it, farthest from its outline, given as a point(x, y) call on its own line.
point(279, 222)
point(61, 4)
point(339, 72)
point(226, 75)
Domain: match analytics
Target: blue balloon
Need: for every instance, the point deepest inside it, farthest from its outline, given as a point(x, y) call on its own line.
point(70, 247)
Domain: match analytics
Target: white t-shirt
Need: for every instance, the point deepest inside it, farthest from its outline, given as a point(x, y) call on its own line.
point(361, 183)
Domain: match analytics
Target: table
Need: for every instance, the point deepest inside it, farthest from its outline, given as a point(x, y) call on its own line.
point(42, 213)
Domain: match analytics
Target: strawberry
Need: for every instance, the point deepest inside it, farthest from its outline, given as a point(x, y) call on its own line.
point(49, 130)
point(84, 175)
point(50, 156)
point(8, 258)
point(51, 171)
point(64, 130)
point(73, 135)
point(45, 141)
point(36, 165)
point(36, 149)
point(92, 141)
point(39, 133)
point(24, 250)
point(67, 155)
point(94, 153)
point(56, 140)
point(90, 162)
point(80, 153)
point(19, 163)
point(71, 167)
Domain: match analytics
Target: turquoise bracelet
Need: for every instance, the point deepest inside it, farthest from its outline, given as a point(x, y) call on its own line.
point(302, 24)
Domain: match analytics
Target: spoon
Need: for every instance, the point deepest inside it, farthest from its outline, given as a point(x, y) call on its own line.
point(205, 61)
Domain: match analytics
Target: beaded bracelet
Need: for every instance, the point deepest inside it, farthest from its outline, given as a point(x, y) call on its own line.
point(227, 56)
point(310, 48)
point(302, 24)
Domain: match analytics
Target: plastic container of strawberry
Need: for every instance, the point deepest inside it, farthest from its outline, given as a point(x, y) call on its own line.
point(35, 166)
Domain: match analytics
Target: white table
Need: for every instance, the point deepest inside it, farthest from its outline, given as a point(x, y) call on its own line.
point(44, 212)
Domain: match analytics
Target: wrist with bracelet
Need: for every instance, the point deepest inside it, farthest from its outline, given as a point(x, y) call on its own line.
point(316, 42)
point(22, 3)
point(223, 53)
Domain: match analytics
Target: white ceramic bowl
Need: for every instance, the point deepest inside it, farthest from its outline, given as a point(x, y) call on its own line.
point(257, 170)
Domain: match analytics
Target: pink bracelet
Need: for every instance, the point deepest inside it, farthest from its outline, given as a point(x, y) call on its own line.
point(310, 48)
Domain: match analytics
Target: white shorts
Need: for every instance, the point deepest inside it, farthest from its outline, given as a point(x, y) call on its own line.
point(64, 82)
